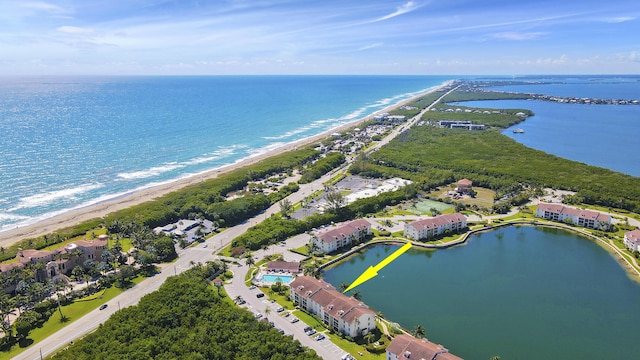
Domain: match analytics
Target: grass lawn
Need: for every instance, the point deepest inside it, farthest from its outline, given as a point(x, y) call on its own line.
point(282, 300)
point(301, 250)
point(73, 312)
point(307, 319)
point(125, 243)
point(353, 349)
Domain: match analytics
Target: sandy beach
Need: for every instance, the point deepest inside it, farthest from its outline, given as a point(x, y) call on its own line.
point(76, 216)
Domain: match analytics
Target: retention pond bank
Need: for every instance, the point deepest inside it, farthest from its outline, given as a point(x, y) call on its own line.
point(520, 292)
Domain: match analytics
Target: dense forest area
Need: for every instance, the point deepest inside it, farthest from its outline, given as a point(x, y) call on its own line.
point(433, 157)
point(187, 318)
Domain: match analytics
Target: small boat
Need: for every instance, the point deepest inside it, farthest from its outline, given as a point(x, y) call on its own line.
point(518, 131)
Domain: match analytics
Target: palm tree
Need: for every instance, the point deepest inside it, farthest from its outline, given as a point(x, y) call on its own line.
point(267, 311)
point(356, 295)
point(249, 261)
point(343, 286)
point(238, 299)
point(369, 337)
point(419, 331)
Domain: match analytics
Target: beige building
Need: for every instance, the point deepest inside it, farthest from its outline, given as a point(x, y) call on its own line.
point(342, 235)
point(432, 227)
point(632, 240)
point(338, 311)
point(585, 218)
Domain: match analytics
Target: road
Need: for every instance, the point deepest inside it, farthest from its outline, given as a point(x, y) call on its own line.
point(92, 320)
point(324, 348)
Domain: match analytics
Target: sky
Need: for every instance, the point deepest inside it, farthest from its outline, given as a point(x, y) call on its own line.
point(237, 37)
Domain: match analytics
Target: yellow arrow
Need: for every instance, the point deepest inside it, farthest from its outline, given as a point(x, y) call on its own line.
point(372, 271)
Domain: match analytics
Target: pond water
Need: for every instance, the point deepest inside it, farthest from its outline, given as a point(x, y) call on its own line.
point(517, 292)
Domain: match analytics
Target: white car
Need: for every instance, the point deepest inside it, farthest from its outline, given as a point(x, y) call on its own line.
point(258, 315)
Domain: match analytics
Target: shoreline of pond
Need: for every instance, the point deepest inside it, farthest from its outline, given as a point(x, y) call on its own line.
point(632, 271)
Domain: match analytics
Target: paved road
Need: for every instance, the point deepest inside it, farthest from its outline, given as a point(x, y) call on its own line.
point(324, 348)
point(196, 254)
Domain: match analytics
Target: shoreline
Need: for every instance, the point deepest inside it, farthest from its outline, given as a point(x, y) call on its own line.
point(98, 210)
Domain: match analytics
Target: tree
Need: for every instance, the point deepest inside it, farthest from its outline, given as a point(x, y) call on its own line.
point(267, 311)
point(419, 331)
point(77, 272)
point(249, 260)
point(369, 337)
point(343, 286)
point(335, 201)
point(286, 208)
point(356, 295)
point(309, 268)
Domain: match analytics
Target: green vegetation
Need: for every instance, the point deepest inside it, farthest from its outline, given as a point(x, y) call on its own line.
point(483, 95)
point(435, 157)
point(504, 119)
point(322, 166)
point(185, 319)
point(59, 318)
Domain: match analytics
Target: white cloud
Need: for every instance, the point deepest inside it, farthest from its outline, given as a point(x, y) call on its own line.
point(407, 7)
point(370, 46)
point(518, 36)
point(620, 19)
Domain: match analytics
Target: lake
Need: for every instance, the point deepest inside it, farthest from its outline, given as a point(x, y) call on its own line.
point(517, 292)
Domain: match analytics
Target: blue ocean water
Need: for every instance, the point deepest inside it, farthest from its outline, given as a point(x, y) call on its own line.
point(599, 135)
point(71, 142)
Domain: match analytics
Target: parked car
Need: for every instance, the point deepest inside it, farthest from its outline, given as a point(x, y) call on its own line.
point(280, 309)
point(347, 357)
point(281, 331)
point(259, 295)
point(311, 332)
point(252, 287)
point(294, 320)
point(287, 314)
point(103, 306)
point(258, 315)
point(319, 337)
point(307, 328)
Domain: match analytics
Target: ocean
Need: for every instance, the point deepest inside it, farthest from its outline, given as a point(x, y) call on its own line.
point(69, 142)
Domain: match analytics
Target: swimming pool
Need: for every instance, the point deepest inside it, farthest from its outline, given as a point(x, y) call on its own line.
point(270, 278)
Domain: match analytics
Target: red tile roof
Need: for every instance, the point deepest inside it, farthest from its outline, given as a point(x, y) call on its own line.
point(633, 236)
point(344, 231)
point(292, 267)
point(332, 301)
point(406, 346)
point(438, 221)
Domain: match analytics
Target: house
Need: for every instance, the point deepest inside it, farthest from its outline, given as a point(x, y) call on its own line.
point(59, 261)
point(408, 347)
point(291, 267)
point(432, 227)
point(342, 235)
point(465, 186)
point(632, 240)
point(187, 229)
point(585, 218)
point(338, 311)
